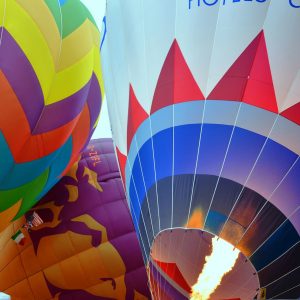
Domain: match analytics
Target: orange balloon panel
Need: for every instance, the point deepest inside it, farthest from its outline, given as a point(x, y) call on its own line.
point(86, 248)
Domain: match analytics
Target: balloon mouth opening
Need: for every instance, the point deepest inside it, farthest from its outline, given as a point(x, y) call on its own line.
point(197, 265)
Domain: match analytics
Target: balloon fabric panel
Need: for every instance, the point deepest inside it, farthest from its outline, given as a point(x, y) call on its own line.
point(49, 53)
point(87, 247)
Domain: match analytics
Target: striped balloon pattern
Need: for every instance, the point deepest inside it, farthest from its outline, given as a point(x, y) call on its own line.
point(50, 96)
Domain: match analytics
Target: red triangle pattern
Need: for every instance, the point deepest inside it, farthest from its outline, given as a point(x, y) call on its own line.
point(122, 162)
point(260, 89)
point(136, 116)
point(174, 273)
point(293, 113)
point(249, 79)
point(233, 83)
point(175, 83)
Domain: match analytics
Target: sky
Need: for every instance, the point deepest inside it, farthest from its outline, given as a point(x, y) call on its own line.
point(97, 8)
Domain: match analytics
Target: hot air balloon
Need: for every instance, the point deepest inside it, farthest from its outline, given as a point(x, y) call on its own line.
point(86, 247)
point(51, 90)
point(203, 98)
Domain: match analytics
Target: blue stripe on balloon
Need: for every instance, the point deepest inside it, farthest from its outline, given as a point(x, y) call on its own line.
point(163, 161)
point(218, 112)
point(288, 193)
point(134, 205)
point(214, 141)
point(146, 158)
point(273, 164)
point(244, 150)
point(139, 183)
point(242, 154)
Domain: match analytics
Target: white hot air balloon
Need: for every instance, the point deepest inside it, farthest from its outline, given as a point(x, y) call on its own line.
point(204, 98)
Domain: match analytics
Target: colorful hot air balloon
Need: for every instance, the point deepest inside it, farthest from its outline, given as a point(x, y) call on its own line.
point(87, 247)
point(204, 102)
point(50, 96)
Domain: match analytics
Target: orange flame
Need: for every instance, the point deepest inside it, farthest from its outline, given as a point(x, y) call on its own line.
point(220, 262)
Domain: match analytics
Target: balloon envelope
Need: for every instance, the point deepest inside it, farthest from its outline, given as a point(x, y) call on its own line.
point(87, 247)
point(204, 103)
point(51, 92)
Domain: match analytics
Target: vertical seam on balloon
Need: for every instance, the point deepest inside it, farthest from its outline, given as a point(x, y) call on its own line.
point(41, 114)
point(173, 166)
point(282, 253)
point(138, 196)
point(285, 291)
point(258, 156)
point(155, 178)
point(287, 219)
point(197, 160)
point(58, 59)
point(26, 278)
point(146, 256)
point(202, 123)
point(41, 137)
point(128, 191)
point(292, 271)
point(249, 175)
point(139, 203)
point(225, 157)
point(168, 255)
point(244, 284)
point(150, 123)
point(173, 154)
point(143, 178)
point(3, 21)
point(223, 163)
point(263, 27)
point(267, 138)
point(140, 241)
point(159, 288)
point(128, 162)
point(269, 264)
point(271, 195)
point(116, 107)
point(66, 258)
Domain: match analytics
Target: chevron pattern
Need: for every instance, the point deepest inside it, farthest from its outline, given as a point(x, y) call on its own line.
point(51, 89)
